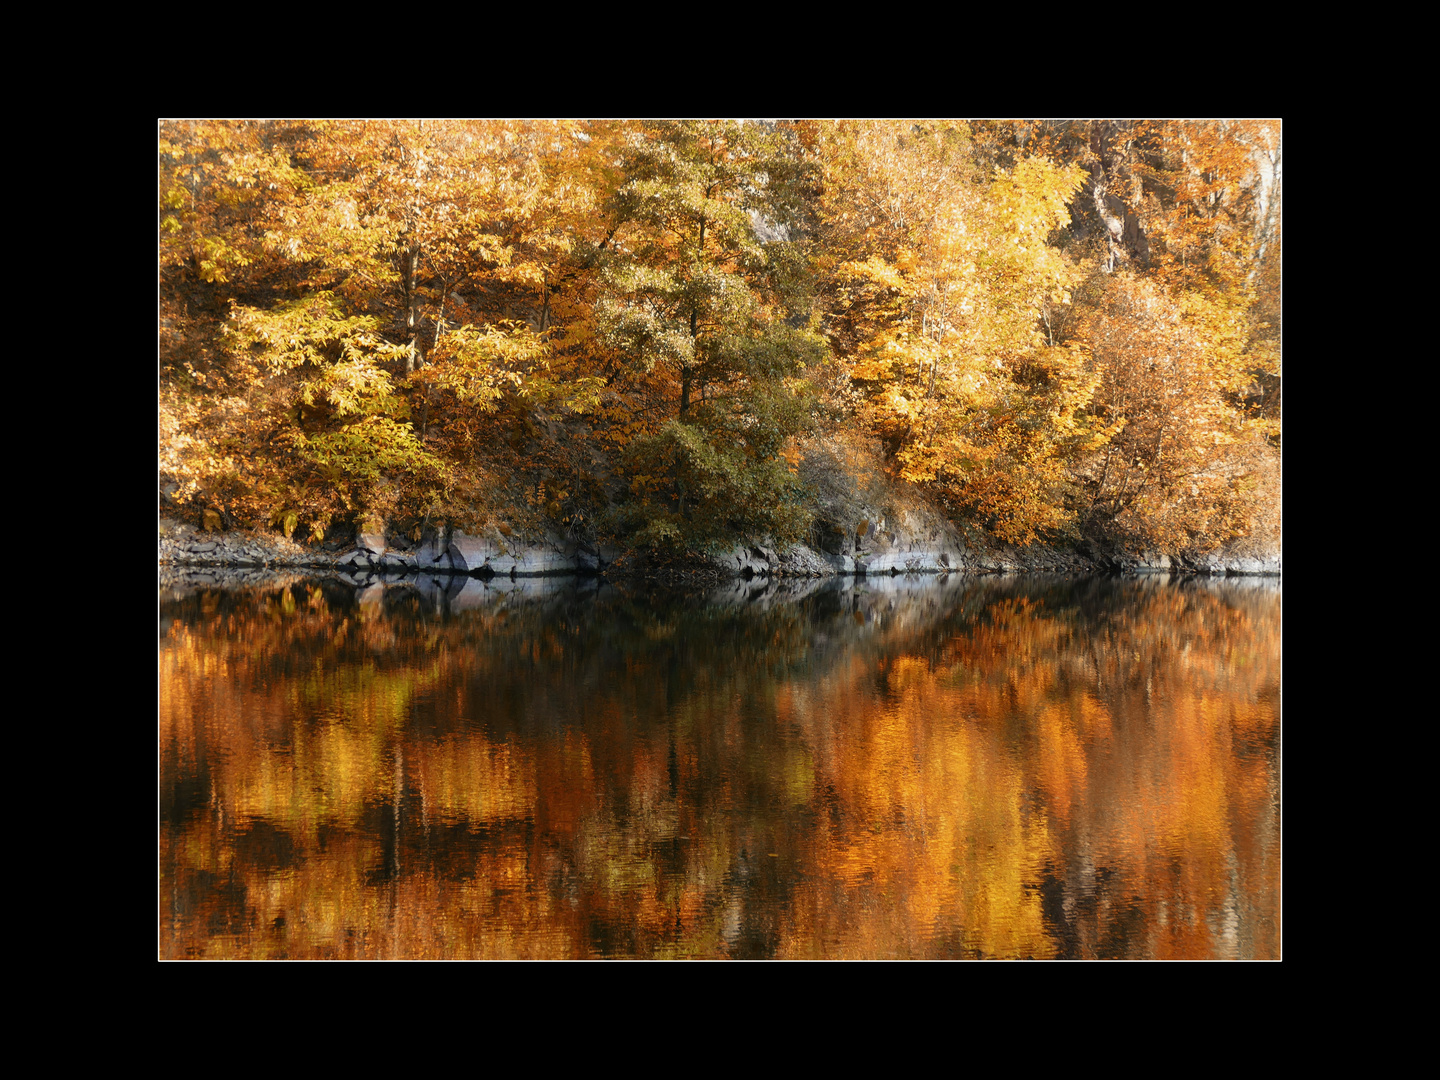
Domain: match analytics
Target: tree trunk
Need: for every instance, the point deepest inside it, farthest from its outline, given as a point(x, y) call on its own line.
point(412, 306)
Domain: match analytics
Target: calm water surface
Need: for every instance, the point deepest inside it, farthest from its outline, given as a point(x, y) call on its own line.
point(1017, 767)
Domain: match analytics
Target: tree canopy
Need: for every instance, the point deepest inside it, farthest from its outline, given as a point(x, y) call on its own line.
point(630, 329)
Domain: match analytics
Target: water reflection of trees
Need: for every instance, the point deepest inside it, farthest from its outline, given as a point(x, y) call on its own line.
point(1004, 768)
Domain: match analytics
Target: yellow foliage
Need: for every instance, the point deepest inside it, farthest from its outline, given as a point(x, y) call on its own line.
point(942, 301)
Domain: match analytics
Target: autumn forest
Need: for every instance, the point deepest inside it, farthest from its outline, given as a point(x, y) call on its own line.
point(1056, 331)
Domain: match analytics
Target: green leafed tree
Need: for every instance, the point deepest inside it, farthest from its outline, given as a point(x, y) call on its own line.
point(691, 291)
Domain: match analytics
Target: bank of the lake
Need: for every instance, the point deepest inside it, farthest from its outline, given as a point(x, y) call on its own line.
point(870, 548)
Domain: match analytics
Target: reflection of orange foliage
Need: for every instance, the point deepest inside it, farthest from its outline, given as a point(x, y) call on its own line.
point(1060, 767)
point(1007, 784)
point(472, 779)
point(932, 847)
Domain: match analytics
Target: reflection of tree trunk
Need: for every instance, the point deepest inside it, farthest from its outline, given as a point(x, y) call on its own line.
point(395, 930)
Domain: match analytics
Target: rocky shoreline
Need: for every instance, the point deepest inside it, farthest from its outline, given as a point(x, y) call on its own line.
point(864, 548)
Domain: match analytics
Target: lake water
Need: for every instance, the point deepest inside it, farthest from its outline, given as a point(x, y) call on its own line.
point(884, 768)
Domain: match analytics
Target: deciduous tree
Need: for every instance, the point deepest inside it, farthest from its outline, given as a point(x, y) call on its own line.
point(395, 293)
point(941, 301)
point(1178, 471)
point(688, 294)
